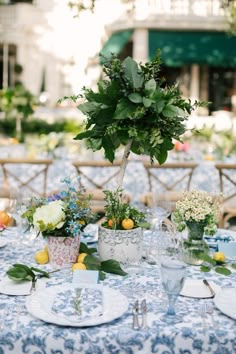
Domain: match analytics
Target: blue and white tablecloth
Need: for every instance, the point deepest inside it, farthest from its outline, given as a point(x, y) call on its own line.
point(32, 335)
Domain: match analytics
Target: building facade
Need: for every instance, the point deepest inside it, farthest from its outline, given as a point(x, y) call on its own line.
point(196, 49)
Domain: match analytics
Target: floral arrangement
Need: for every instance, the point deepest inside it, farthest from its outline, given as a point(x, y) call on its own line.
point(120, 215)
point(62, 214)
point(197, 207)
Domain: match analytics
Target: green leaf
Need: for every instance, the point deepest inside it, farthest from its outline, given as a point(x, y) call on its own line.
point(233, 265)
point(147, 102)
point(207, 259)
point(19, 272)
point(170, 111)
point(132, 73)
point(102, 275)
point(150, 86)
point(84, 135)
point(205, 269)
point(40, 271)
point(223, 270)
point(112, 266)
point(124, 109)
point(83, 248)
point(92, 263)
point(135, 98)
point(20, 266)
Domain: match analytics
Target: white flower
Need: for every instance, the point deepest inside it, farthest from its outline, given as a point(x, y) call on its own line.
point(50, 216)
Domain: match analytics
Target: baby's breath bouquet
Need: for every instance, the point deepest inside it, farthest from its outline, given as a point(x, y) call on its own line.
point(199, 208)
point(62, 214)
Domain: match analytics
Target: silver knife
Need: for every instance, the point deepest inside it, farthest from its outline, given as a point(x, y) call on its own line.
point(144, 314)
point(209, 287)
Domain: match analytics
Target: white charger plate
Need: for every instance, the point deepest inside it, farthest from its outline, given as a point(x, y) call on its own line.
point(10, 287)
point(197, 289)
point(40, 303)
point(3, 241)
point(225, 301)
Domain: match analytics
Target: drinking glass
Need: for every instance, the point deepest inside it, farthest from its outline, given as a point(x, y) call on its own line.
point(173, 273)
point(162, 242)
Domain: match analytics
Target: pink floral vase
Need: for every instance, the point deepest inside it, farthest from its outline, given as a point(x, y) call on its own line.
point(63, 251)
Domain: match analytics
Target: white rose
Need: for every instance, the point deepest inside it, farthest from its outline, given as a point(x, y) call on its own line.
point(51, 215)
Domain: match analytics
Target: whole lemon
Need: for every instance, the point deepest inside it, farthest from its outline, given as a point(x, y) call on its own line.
point(79, 265)
point(5, 218)
point(41, 257)
point(81, 257)
point(219, 257)
point(127, 224)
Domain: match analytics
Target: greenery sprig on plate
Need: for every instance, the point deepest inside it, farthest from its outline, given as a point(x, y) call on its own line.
point(19, 272)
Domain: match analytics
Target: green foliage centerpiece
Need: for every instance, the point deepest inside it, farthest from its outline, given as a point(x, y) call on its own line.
point(132, 107)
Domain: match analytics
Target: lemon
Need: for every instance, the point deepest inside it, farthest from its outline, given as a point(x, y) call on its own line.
point(81, 257)
point(5, 218)
point(219, 257)
point(127, 224)
point(79, 265)
point(41, 257)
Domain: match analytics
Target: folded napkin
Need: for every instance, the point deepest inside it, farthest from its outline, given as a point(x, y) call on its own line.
point(78, 304)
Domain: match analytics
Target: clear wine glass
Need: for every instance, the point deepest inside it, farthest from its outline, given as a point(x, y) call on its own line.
point(173, 273)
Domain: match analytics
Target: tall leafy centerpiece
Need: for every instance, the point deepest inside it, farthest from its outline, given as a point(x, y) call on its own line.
point(132, 107)
point(135, 108)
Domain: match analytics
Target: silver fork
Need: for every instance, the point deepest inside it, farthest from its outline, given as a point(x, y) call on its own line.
point(210, 310)
point(203, 313)
point(135, 315)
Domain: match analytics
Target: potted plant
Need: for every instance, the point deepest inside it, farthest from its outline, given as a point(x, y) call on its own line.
point(60, 218)
point(134, 108)
point(197, 213)
point(121, 234)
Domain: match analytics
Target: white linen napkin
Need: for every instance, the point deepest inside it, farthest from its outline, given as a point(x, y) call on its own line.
point(78, 304)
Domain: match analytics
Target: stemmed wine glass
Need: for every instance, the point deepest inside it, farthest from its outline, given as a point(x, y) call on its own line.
point(173, 273)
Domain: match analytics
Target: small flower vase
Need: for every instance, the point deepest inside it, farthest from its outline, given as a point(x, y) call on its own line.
point(194, 244)
point(121, 245)
point(63, 251)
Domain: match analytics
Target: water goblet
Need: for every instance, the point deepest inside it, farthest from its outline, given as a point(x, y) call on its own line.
point(173, 273)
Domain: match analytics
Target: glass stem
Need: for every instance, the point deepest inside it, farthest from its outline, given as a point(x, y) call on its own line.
point(171, 305)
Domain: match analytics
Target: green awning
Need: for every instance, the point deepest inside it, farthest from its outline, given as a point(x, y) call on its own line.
point(116, 42)
point(179, 47)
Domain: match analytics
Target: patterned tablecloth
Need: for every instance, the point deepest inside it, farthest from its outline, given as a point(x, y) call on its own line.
point(32, 335)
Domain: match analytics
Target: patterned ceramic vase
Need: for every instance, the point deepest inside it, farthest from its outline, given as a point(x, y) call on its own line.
point(122, 245)
point(63, 251)
point(194, 245)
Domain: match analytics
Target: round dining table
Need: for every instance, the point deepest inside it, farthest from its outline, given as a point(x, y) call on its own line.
point(25, 328)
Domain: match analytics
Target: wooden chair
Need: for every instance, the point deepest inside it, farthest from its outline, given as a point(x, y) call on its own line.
point(227, 175)
point(97, 176)
point(167, 182)
point(30, 174)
